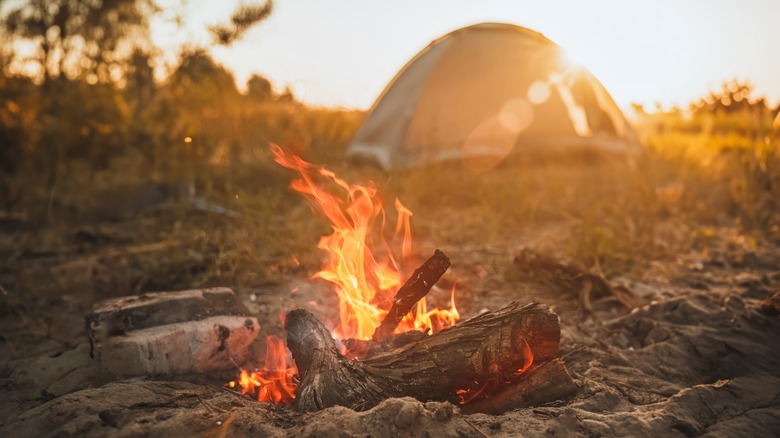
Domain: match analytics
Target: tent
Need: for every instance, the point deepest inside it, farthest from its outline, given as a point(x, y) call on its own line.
point(484, 93)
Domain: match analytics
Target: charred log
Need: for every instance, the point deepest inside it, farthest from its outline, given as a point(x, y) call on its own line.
point(491, 346)
point(415, 288)
point(365, 348)
point(541, 384)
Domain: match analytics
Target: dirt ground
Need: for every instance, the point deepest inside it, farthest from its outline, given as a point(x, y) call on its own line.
point(701, 358)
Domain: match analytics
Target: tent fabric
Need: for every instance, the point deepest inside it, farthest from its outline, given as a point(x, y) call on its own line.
point(483, 93)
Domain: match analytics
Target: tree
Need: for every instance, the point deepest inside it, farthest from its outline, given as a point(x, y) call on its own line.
point(79, 38)
point(242, 20)
point(734, 96)
point(259, 88)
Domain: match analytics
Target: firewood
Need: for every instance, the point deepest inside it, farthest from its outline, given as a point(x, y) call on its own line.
point(365, 348)
point(490, 346)
point(415, 288)
point(541, 384)
point(117, 316)
point(200, 330)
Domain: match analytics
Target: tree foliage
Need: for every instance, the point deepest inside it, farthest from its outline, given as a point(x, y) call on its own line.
point(734, 96)
point(79, 38)
point(243, 19)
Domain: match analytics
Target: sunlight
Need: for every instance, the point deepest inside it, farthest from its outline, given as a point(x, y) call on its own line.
point(636, 50)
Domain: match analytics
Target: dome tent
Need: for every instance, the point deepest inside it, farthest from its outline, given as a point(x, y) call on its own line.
point(485, 92)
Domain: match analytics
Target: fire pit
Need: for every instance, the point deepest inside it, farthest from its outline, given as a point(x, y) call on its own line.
point(387, 343)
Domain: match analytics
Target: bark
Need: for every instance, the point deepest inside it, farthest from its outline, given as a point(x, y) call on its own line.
point(541, 384)
point(117, 316)
point(487, 347)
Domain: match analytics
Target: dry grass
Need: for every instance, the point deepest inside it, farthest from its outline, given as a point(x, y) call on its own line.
point(613, 213)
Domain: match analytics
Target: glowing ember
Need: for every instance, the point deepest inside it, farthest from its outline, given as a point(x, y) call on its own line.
point(360, 265)
point(528, 357)
point(274, 383)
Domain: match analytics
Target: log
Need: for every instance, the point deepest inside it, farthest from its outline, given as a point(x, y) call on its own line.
point(490, 346)
point(541, 384)
point(118, 316)
point(199, 330)
point(205, 346)
point(415, 288)
point(364, 348)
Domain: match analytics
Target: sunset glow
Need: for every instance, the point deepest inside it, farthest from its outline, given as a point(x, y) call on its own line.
point(344, 53)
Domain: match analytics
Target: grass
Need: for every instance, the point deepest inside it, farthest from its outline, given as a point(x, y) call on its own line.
point(615, 214)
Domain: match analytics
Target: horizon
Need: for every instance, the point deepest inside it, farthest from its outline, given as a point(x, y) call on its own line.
point(345, 53)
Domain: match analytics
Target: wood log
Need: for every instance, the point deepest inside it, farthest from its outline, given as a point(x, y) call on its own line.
point(541, 384)
point(117, 316)
point(415, 288)
point(200, 330)
point(363, 348)
point(490, 346)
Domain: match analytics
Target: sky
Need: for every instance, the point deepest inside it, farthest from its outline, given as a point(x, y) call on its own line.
point(344, 52)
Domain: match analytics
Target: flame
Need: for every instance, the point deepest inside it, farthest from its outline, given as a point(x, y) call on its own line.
point(467, 395)
point(528, 358)
point(360, 262)
point(360, 265)
point(435, 319)
point(274, 383)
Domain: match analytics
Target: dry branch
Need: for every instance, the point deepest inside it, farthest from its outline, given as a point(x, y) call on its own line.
point(574, 277)
point(487, 347)
point(415, 288)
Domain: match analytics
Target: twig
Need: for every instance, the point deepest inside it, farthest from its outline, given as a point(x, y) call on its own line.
point(474, 426)
point(204, 404)
point(209, 406)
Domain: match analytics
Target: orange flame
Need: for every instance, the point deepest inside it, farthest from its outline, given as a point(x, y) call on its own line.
point(364, 273)
point(528, 358)
point(274, 383)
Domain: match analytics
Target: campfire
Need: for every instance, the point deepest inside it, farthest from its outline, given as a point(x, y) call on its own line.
point(389, 341)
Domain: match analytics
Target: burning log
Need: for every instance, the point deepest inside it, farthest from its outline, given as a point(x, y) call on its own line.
point(540, 384)
point(575, 277)
point(489, 347)
point(365, 348)
point(415, 288)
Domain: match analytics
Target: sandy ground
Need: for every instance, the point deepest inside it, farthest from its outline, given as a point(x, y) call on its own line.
point(702, 358)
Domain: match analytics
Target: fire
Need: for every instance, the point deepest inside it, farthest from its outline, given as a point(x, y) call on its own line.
point(274, 383)
point(528, 358)
point(436, 319)
point(360, 265)
point(360, 262)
